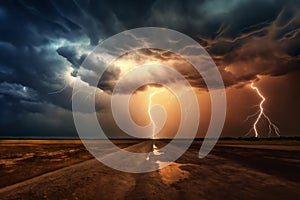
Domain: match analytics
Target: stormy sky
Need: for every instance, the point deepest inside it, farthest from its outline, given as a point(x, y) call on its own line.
point(43, 44)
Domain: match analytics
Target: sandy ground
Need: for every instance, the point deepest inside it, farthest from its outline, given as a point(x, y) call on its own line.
point(231, 171)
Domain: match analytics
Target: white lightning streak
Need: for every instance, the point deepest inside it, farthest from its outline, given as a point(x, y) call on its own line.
point(260, 115)
point(149, 110)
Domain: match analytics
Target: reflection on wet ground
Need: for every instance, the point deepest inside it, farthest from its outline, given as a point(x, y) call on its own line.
point(231, 170)
point(170, 172)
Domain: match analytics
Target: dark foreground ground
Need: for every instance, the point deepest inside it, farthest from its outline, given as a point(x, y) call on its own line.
point(63, 169)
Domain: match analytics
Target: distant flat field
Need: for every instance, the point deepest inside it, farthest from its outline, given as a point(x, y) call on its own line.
point(56, 141)
point(286, 145)
point(64, 169)
point(23, 159)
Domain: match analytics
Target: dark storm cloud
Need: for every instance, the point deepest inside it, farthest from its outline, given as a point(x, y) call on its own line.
point(72, 56)
point(41, 40)
point(254, 37)
point(259, 36)
point(30, 66)
point(17, 91)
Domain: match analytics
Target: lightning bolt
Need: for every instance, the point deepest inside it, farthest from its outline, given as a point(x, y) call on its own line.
point(260, 115)
point(149, 109)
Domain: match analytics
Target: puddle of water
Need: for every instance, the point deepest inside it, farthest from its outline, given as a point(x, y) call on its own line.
point(148, 157)
point(156, 151)
point(172, 173)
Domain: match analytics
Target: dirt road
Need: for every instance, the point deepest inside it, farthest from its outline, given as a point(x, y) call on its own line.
point(226, 173)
